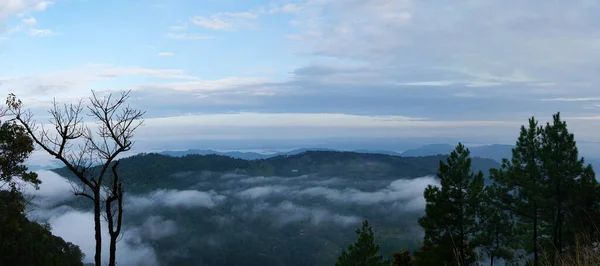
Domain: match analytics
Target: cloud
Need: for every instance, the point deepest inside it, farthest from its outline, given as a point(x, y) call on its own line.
point(77, 227)
point(187, 36)
point(31, 21)
point(581, 99)
point(69, 83)
point(175, 198)
point(302, 125)
point(54, 189)
point(11, 8)
point(473, 44)
point(41, 32)
point(260, 192)
point(287, 212)
point(157, 227)
point(225, 21)
point(165, 54)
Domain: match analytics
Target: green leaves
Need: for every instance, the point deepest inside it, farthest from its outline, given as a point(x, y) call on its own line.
point(15, 147)
point(364, 252)
point(451, 211)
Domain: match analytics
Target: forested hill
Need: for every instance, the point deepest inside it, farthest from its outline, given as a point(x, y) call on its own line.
point(147, 171)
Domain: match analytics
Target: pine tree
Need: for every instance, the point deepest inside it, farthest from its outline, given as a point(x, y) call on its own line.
point(451, 211)
point(546, 188)
point(519, 186)
point(496, 228)
point(585, 208)
point(562, 167)
point(364, 252)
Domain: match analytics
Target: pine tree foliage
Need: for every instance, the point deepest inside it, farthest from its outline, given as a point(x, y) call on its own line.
point(364, 252)
point(451, 211)
point(495, 236)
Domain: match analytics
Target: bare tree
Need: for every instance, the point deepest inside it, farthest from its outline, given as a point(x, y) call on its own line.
point(89, 154)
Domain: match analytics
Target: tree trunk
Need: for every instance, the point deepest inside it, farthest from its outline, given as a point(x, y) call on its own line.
point(97, 227)
point(536, 259)
point(114, 230)
point(113, 250)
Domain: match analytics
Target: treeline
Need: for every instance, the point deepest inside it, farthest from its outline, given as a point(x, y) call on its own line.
point(147, 171)
point(542, 208)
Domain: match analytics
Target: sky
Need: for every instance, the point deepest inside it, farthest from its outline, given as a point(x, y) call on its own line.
point(278, 69)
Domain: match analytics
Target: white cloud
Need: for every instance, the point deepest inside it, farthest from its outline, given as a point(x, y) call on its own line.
point(400, 192)
point(261, 192)
point(73, 83)
point(175, 198)
point(288, 212)
point(12, 8)
point(211, 23)
point(31, 21)
point(225, 21)
point(187, 36)
point(157, 227)
point(165, 54)
point(77, 227)
point(531, 46)
point(580, 99)
point(54, 189)
point(41, 32)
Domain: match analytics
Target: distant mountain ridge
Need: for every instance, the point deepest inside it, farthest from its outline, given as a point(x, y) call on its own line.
point(239, 154)
point(494, 151)
point(149, 171)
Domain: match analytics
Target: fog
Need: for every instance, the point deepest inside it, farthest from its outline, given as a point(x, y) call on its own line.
point(218, 207)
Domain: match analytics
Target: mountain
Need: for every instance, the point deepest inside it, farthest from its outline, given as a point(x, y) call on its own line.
point(233, 154)
point(144, 172)
point(297, 209)
point(494, 151)
point(428, 150)
point(239, 154)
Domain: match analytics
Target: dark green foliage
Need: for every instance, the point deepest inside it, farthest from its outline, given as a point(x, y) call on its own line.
point(495, 235)
point(23, 242)
point(364, 252)
point(402, 259)
point(585, 208)
point(548, 192)
point(15, 147)
point(451, 211)
point(517, 187)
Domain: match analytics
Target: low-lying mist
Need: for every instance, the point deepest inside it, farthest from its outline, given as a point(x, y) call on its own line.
point(227, 218)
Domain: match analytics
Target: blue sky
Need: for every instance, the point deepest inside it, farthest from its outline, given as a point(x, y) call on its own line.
point(260, 69)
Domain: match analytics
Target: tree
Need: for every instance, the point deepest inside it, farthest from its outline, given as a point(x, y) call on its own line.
point(585, 207)
point(23, 242)
point(547, 189)
point(451, 211)
point(496, 228)
point(15, 147)
point(364, 252)
point(519, 185)
point(402, 259)
point(563, 168)
point(115, 125)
